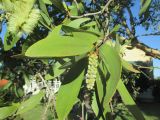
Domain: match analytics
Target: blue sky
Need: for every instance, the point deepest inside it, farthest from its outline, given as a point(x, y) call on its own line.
point(152, 41)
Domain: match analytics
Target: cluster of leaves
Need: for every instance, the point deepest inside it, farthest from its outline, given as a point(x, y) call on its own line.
point(60, 44)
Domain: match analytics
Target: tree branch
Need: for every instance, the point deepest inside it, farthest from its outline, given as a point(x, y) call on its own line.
point(135, 42)
point(95, 13)
point(86, 15)
point(148, 50)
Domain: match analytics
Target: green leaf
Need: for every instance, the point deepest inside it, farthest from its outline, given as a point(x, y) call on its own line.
point(95, 105)
point(58, 4)
point(128, 101)
point(112, 61)
point(47, 2)
point(90, 24)
point(100, 88)
point(102, 75)
point(116, 28)
point(142, 2)
point(43, 7)
point(46, 18)
point(9, 41)
point(117, 44)
point(56, 71)
point(76, 23)
point(73, 9)
point(128, 66)
point(68, 93)
point(36, 113)
point(145, 7)
point(69, 29)
point(56, 45)
point(30, 103)
point(7, 111)
point(81, 7)
point(69, 63)
point(44, 12)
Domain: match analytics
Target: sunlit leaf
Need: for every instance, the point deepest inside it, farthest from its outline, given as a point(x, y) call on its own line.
point(30, 103)
point(116, 28)
point(47, 2)
point(9, 41)
point(95, 105)
point(76, 23)
point(128, 66)
point(113, 63)
point(7, 111)
point(128, 101)
point(56, 45)
point(145, 6)
point(68, 93)
point(44, 12)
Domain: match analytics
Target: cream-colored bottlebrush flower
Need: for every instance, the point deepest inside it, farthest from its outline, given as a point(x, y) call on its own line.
point(92, 70)
point(7, 5)
point(32, 20)
point(24, 18)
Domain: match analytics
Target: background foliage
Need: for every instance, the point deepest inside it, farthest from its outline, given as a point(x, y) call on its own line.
point(79, 43)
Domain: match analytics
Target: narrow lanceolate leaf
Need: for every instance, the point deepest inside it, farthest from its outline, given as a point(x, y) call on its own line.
point(129, 102)
point(145, 6)
point(68, 93)
point(44, 12)
point(58, 4)
point(7, 111)
point(47, 2)
point(76, 23)
point(95, 105)
point(100, 87)
point(56, 45)
point(9, 41)
point(30, 103)
point(128, 66)
point(112, 61)
point(116, 28)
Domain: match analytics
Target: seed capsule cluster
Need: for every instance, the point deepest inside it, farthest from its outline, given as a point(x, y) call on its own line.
point(92, 71)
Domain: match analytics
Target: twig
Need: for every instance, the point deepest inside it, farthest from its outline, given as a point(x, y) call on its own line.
point(150, 34)
point(104, 40)
point(106, 6)
point(86, 15)
point(147, 76)
point(83, 116)
point(95, 13)
point(139, 66)
point(51, 95)
point(111, 107)
point(44, 82)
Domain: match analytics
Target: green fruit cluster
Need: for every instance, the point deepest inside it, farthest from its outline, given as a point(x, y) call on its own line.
point(92, 70)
